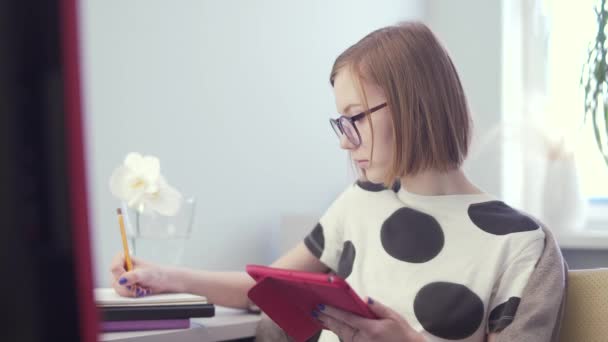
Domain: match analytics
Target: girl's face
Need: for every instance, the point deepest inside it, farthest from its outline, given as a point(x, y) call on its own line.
point(349, 104)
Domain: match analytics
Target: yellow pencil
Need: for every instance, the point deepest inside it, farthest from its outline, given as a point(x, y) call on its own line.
point(125, 246)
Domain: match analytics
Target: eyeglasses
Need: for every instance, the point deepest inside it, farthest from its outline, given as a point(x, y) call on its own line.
point(346, 125)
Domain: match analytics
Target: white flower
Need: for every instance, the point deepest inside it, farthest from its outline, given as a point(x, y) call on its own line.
point(139, 183)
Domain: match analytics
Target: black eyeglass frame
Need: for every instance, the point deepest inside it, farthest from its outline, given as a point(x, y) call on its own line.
point(336, 124)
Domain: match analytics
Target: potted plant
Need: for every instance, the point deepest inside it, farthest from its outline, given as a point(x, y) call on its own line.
point(595, 82)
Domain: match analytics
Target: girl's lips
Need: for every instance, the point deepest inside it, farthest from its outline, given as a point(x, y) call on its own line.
point(362, 163)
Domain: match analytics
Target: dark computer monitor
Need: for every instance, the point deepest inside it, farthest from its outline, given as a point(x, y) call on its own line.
point(45, 264)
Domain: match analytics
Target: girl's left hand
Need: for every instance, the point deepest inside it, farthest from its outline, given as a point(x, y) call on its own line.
point(390, 326)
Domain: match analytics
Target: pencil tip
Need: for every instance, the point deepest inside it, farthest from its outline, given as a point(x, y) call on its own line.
point(119, 211)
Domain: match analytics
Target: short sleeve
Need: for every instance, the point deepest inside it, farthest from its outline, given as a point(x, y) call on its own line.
point(325, 241)
point(510, 286)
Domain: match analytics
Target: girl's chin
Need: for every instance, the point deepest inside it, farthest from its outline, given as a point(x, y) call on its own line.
point(374, 177)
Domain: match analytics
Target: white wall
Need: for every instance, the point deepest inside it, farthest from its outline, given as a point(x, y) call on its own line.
point(233, 97)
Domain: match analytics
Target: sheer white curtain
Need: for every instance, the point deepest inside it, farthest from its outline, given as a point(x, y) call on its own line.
point(556, 36)
point(573, 28)
point(550, 166)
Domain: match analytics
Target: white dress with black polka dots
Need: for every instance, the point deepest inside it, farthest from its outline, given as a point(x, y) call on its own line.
point(454, 266)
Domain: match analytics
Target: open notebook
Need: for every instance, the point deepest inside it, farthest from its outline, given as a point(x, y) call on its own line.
point(107, 297)
point(166, 306)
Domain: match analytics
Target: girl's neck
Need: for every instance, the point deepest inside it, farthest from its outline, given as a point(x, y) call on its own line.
point(434, 183)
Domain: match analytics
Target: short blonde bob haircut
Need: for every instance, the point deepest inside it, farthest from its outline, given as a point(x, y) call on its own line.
point(429, 110)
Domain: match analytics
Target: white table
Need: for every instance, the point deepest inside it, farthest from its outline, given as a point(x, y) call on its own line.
point(227, 324)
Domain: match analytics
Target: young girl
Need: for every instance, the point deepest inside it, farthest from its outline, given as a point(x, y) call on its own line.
point(448, 261)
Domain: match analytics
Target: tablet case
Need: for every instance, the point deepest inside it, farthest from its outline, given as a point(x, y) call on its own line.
point(288, 297)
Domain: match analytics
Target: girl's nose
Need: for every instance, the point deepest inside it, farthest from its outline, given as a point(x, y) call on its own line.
point(345, 143)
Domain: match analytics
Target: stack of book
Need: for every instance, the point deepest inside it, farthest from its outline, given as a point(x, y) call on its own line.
point(160, 311)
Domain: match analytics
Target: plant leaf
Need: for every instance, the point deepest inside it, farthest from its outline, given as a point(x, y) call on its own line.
point(596, 132)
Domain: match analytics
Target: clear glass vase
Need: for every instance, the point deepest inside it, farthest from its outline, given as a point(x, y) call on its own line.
point(159, 238)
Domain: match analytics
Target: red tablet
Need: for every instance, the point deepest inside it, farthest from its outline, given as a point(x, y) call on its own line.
point(288, 297)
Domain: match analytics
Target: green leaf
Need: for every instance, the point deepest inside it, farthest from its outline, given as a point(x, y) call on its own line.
point(605, 108)
point(596, 132)
point(594, 79)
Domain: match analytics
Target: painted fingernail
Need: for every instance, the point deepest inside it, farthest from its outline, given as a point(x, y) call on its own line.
point(321, 307)
point(370, 300)
point(138, 292)
point(128, 287)
point(122, 280)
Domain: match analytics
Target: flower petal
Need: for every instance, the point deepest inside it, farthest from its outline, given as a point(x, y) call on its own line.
point(150, 168)
point(139, 183)
point(167, 201)
point(133, 161)
point(137, 201)
point(119, 182)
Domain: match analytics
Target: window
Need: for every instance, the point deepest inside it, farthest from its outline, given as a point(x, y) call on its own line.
point(573, 27)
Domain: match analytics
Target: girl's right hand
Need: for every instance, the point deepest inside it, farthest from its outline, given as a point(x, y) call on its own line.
point(144, 279)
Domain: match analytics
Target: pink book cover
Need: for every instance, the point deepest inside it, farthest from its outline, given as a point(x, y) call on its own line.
point(153, 324)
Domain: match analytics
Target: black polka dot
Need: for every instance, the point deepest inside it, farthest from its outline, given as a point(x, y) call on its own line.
point(315, 241)
point(377, 187)
point(448, 310)
point(347, 259)
point(503, 314)
point(369, 186)
point(497, 218)
point(412, 236)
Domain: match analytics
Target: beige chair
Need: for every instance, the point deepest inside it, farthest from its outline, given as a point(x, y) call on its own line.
point(586, 315)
